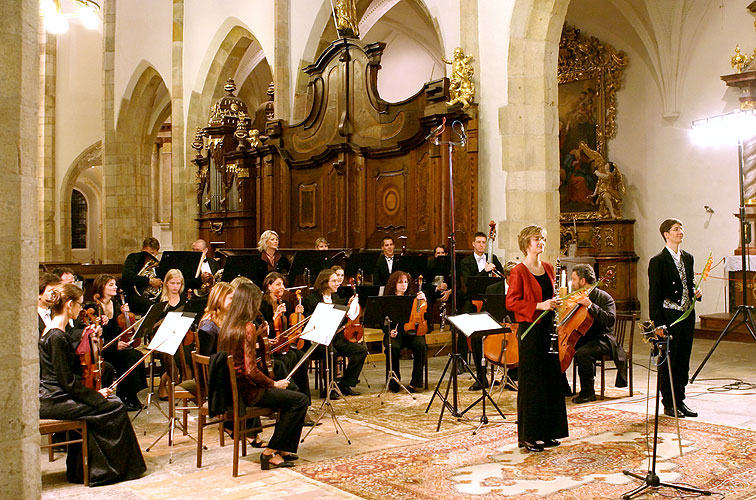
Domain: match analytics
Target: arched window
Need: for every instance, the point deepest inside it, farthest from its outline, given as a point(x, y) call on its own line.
point(78, 220)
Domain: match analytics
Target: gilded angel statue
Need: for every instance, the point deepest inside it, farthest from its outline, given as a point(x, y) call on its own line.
point(610, 188)
point(461, 86)
point(346, 18)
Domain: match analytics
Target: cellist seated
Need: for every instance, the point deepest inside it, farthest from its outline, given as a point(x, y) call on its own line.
point(599, 339)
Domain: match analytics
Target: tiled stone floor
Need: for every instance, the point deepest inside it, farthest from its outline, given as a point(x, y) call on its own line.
point(181, 479)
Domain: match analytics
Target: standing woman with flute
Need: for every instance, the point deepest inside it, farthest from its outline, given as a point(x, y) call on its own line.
point(541, 412)
point(113, 450)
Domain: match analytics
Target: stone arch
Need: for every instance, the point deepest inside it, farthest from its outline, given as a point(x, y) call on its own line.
point(127, 170)
point(88, 158)
point(529, 121)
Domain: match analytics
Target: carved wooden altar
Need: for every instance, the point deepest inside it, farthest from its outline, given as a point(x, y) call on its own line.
point(356, 169)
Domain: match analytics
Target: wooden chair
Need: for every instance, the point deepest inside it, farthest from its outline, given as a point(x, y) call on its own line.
point(624, 324)
point(49, 426)
point(240, 428)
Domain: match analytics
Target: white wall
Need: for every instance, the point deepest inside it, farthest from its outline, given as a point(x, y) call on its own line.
point(665, 173)
point(143, 33)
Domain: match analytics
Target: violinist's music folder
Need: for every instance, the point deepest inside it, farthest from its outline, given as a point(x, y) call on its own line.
point(324, 323)
point(476, 323)
point(171, 332)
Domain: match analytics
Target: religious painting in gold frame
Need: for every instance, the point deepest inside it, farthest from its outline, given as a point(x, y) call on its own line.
point(589, 75)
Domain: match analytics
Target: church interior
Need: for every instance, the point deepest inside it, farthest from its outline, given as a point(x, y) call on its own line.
point(418, 121)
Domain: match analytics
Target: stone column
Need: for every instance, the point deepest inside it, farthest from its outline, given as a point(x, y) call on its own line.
point(110, 248)
point(19, 367)
point(282, 61)
point(184, 225)
point(46, 171)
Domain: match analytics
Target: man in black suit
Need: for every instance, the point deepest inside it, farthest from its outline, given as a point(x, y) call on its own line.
point(599, 339)
point(670, 293)
point(133, 285)
point(208, 268)
point(386, 264)
point(476, 265)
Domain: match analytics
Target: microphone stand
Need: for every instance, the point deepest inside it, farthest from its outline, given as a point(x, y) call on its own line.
point(455, 359)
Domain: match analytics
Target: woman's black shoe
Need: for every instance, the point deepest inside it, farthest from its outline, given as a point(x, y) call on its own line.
point(548, 443)
point(255, 443)
point(530, 446)
point(266, 465)
point(289, 456)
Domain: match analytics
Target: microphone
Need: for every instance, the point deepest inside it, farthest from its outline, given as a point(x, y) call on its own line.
point(436, 131)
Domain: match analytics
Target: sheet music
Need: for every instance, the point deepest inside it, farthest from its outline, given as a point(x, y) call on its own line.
point(471, 323)
point(354, 308)
point(171, 332)
point(323, 323)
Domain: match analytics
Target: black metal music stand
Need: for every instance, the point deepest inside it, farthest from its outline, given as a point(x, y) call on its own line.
point(239, 265)
point(747, 312)
point(313, 261)
point(651, 479)
point(186, 262)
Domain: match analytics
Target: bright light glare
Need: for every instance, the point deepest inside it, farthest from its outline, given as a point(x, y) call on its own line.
point(723, 129)
point(47, 8)
point(89, 17)
point(56, 23)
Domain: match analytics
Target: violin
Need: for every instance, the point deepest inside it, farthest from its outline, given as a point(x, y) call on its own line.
point(88, 351)
point(125, 321)
point(262, 346)
point(281, 337)
point(417, 317)
point(295, 318)
point(575, 321)
point(353, 331)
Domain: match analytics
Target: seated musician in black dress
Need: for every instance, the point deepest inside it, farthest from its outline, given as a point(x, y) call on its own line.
point(325, 290)
point(238, 337)
point(173, 299)
point(119, 353)
point(400, 283)
point(112, 447)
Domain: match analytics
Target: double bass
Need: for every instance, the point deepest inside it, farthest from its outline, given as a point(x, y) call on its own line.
point(575, 321)
point(417, 320)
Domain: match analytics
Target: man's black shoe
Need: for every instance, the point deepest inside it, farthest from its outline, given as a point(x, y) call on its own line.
point(683, 408)
point(476, 387)
point(348, 391)
point(670, 411)
point(334, 395)
point(535, 447)
point(549, 443)
point(580, 399)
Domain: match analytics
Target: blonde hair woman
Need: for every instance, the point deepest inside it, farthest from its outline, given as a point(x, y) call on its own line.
point(272, 259)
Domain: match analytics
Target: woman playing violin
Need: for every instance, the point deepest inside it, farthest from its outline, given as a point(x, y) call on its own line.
point(113, 450)
point(238, 337)
point(541, 412)
point(400, 283)
point(273, 309)
point(120, 354)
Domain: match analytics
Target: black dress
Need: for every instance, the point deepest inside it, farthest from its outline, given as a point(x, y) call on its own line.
point(114, 453)
point(541, 412)
point(123, 359)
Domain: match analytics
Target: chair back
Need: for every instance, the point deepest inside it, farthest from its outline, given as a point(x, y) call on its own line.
point(625, 322)
point(201, 366)
point(234, 387)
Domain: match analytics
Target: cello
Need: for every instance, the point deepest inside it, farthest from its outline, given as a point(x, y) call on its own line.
point(575, 321)
point(417, 320)
point(353, 331)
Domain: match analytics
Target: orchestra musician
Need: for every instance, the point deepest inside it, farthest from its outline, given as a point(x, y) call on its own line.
point(387, 262)
point(120, 354)
point(599, 339)
point(273, 308)
point(112, 449)
point(47, 282)
point(172, 295)
point(476, 265)
point(212, 319)
point(321, 244)
point(208, 268)
point(541, 411)
point(670, 292)
point(400, 283)
point(66, 274)
point(133, 279)
point(270, 258)
point(238, 337)
point(325, 290)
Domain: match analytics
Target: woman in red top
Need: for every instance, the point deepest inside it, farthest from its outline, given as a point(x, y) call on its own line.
point(541, 412)
point(238, 337)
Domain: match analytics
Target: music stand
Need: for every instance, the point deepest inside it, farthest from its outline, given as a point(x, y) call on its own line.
point(415, 265)
point(186, 262)
point(238, 265)
point(144, 331)
point(361, 261)
point(168, 340)
point(321, 328)
point(385, 311)
point(480, 325)
point(312, 260)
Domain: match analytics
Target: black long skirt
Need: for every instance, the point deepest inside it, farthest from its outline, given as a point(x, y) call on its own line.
point(541, 411)
point(113, 449)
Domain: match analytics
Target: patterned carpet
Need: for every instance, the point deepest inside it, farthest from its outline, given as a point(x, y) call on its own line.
point(588, 464)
